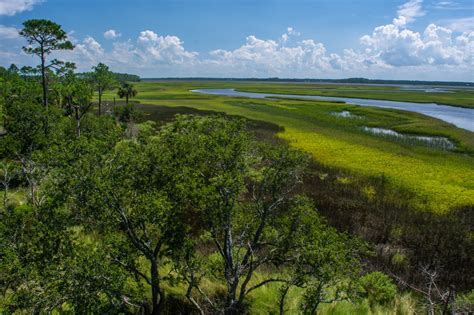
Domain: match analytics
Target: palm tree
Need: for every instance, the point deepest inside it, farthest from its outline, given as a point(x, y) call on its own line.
point(126, 90)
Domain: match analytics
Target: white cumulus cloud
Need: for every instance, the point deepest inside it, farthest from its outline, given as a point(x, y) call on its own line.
point(112, 34)
point(290, 31)
point(12, 7)
point(85, 54)
point(164, 49)
point(274, 57)
point(398, 47)
point(408, 12)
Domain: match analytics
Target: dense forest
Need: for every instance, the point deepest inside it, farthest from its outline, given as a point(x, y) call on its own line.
point(105, 211)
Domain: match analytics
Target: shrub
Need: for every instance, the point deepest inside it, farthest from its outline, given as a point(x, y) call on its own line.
point(464, 303)
point(378, 288)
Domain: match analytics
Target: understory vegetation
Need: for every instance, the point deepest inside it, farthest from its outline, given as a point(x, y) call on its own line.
point(171, 202)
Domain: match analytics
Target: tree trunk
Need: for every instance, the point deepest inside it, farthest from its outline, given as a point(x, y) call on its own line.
point(282, 299)
point(231, 310)
point(232, 279)
point(156, 292)
point(78, 123)
point(100, 102)
point(447, 303)
point(232, 303)
point(5, 188)
point(43, 81)
point(45, 90)
point(314, 309)
point(189, 296)
point(431, 308)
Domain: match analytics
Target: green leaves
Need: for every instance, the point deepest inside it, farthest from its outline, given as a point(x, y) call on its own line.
point(126, 90)
point(378, 288)
point(48, 37)
point(47, 34)
point(200, 195)
point(102, 79)
point(25, 126)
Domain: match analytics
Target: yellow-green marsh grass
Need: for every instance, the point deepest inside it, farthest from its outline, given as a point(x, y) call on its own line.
point(442, 180)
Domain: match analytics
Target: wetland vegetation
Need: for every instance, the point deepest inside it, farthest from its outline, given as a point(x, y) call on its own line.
point(340, 142)
point(148, 198)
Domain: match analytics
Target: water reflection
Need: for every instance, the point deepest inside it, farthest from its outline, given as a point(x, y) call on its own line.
point(428, 141)
point(458, 116)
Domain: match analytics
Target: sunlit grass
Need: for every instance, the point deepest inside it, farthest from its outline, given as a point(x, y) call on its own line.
point(14, 196)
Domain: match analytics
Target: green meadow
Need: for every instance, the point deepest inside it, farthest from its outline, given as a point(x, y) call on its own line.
point(441, 179)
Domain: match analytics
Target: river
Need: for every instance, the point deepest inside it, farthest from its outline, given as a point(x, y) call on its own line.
point(458, 116)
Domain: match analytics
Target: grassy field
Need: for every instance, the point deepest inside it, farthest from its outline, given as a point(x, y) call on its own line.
point(441, 179)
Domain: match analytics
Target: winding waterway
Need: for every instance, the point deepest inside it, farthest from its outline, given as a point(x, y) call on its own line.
point(458, 116)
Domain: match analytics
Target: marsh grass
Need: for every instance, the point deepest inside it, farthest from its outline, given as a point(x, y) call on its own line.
point(442, 179)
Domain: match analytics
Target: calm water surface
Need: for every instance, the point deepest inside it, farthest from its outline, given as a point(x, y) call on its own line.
point(458, 116)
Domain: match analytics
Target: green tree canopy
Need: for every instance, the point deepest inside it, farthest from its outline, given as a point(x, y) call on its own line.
point(126, 90)
point(102, 79)
point(44, 37)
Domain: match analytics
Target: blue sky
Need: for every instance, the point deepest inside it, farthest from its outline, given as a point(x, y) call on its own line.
point(414, 39)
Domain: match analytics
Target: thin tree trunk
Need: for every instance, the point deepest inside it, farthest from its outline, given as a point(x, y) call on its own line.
point(78, 123)
point(431, 308)
point(45, 89)
point(43, 82)
point(448, 300)
point(5, 188)
point(314, 310)
point(157, 293)
point(282, 299)
point(232, 305)
point(232, 278)
point(100, 102)
point(5, 194)
point(189, 296)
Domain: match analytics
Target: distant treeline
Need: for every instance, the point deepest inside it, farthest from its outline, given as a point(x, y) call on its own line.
point(120, 77)
point(349, 81)
point(126, 77)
